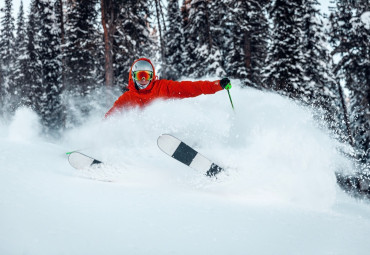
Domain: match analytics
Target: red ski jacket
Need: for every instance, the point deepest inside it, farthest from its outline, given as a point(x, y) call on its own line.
point(161, 89)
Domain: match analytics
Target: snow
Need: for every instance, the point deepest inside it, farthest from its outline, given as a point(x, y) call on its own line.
point(365, 18)
point(278, 195)
point(325, 6)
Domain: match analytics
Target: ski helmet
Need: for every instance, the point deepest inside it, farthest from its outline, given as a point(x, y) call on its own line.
point(142, 65)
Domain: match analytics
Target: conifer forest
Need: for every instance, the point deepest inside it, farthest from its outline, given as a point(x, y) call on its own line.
point(55, 53)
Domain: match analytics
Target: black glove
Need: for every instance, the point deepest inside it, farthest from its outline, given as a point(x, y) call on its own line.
point(224, 83)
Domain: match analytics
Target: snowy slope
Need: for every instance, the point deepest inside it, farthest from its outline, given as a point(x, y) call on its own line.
point(278, 196)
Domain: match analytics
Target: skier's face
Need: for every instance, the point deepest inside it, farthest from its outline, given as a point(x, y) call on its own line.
point(142, 84)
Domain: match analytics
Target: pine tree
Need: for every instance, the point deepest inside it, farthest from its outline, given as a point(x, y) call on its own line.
point(315, 56)
point(21, 61)
point(6, 58)
point(174, 48)
point(320, 87)
point(206, 53)
point(318, 81)
point(216, 63)
point(1, 85)
point(284, 71)
point(33, 72)
point(79, 51)
point(49, 103)
point(188, 40)
point(59, 21)
point(162, 31)
point(83, 55)
point(235, 56)
point(351, 42)
point(246, 40)
point(259, 43)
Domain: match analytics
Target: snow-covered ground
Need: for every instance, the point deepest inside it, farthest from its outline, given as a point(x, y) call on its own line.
point(278, 195)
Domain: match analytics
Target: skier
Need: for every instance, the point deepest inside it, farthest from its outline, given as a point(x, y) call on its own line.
point(144, 87)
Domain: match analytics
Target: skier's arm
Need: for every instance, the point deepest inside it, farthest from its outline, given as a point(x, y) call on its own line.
point(110, 112)
point(119, 104)
point(183, 89)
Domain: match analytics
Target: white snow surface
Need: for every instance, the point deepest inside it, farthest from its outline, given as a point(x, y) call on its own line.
point(278, 195)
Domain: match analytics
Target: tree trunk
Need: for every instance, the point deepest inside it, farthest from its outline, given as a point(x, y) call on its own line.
point(109, 28)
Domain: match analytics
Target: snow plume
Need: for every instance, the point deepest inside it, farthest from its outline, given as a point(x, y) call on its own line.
point(25, 126)
point(80, 108)
point(271, 147)
point(277, 196)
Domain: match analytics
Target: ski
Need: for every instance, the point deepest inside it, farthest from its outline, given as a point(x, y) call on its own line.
point(182, 152)
point(81, 161)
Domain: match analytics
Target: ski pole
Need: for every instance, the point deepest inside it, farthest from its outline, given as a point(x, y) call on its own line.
point(228, 87)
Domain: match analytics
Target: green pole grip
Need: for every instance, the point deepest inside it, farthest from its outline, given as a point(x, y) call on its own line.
point(228, 87)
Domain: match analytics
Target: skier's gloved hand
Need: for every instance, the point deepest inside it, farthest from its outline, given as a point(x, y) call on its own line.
point(225, 83)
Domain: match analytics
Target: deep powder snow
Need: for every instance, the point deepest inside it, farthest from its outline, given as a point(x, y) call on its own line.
point(278, 195)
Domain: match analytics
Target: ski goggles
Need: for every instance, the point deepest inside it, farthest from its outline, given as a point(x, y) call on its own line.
point(143, 75)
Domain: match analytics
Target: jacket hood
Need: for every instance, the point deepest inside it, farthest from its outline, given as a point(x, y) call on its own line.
point(131, 82)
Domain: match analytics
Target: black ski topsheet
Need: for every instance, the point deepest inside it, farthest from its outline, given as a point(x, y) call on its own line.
point(80, 161)
point(182, 152)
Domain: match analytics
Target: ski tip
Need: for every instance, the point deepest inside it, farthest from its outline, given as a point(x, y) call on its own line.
point(163, 135)
point(160, 139)
point(168, 143)
point(166, 137)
